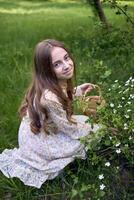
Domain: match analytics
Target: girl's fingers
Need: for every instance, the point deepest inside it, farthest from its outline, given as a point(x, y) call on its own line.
point(88, 90)
point(96, 98)
point(86, 85)
point(91, 85)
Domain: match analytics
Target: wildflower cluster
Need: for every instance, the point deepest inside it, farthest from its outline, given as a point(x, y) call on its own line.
point(111, 148)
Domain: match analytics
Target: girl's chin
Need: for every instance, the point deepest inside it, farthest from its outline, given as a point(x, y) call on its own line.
point(69, 76)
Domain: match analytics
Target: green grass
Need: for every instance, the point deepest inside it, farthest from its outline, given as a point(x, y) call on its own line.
point(23, 24)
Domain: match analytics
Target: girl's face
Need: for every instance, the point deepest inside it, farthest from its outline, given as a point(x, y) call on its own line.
point(62, 63)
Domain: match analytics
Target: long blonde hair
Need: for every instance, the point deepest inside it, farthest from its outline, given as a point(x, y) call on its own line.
point(45, 77)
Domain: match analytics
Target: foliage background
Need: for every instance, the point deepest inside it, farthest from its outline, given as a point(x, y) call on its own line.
point(102, 57)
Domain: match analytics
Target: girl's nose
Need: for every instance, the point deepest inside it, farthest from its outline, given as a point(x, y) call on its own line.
point(65, 65)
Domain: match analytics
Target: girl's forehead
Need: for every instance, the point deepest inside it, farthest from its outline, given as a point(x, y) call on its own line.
point(58, 53)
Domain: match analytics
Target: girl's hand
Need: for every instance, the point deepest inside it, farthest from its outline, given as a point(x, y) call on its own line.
point(86, 87)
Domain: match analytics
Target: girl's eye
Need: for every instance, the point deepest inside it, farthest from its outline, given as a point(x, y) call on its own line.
point(67, 57)
point(56, 65)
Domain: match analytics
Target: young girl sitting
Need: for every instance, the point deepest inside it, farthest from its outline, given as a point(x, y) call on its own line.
point(49, 132)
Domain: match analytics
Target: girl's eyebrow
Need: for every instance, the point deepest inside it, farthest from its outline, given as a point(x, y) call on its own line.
point(59, 60)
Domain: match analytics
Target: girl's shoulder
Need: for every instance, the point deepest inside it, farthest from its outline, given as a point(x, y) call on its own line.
point(49, 96)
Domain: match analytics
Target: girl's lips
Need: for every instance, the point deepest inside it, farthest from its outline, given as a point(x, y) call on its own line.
point(67, 72)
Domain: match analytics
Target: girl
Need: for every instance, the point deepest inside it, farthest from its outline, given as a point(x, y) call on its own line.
point(49, 133)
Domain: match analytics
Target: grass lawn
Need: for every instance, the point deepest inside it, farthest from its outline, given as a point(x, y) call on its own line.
point(25, 23)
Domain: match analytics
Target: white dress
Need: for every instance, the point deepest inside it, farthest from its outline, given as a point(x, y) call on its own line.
point(40, 157)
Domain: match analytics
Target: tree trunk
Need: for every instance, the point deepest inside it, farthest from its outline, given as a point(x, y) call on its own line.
point(99, 9)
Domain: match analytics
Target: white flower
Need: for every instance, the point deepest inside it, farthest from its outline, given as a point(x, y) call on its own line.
point(86, 148)
point(110, 137)
point(126, 84)
point(128, 102)
point(109, 89)
point(127, 81)
point(117, 167)
point(130, 137)
point(116, 81)
point(127, 116)
point(102, 186)
point(114, 111)
point(101, 176)
point(111, 105)
point(125, 128)
point(128, 110)
point(118, 144)
point(120, 92)
point(107, 164)
point(119, 106)
point(126, 90)
point(123, 98)
point(126, 145)
point(131, 96)
point(118, 151)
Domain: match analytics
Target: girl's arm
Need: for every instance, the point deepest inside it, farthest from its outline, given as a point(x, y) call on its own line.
point(58, 116)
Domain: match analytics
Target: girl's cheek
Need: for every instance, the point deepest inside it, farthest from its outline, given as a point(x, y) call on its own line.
point(58, 71)
point(71, 62)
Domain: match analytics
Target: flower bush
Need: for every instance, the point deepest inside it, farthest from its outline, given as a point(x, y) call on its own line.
point(109, 169)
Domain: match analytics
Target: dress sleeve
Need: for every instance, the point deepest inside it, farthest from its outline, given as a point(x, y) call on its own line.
point(58, 116)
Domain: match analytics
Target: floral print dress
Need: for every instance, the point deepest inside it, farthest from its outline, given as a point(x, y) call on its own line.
point(40, 157)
